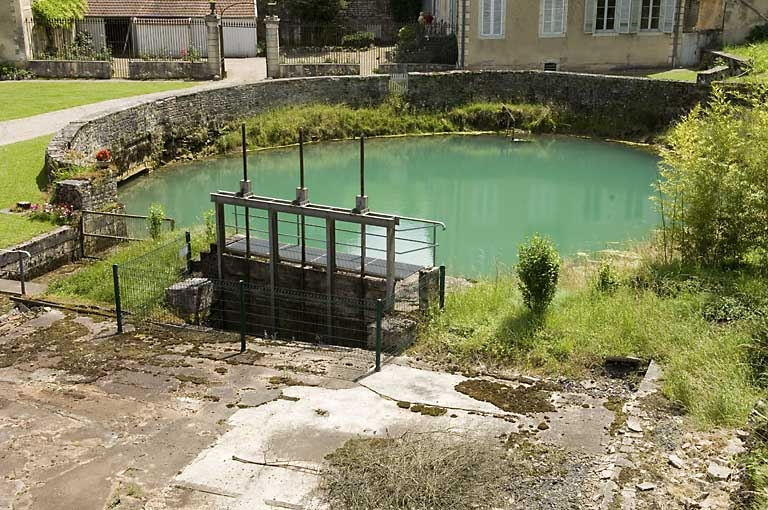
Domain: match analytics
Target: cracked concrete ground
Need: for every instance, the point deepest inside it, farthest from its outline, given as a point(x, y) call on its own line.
point(173, 419)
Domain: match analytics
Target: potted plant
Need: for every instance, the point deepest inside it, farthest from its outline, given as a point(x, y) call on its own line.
point(103, 158)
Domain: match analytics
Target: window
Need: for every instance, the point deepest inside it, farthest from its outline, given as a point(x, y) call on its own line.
point(492, 18)
point(606, 15)
point(550, 66)
point(552, 18)
point(650, 14)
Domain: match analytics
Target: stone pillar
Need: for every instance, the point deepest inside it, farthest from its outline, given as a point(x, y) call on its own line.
point(214, 46)
point(273, 46)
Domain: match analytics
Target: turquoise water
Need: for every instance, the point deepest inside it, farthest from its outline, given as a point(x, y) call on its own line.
point(491, 193)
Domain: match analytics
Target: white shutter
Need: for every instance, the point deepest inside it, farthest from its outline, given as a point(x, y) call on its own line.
point(623, 10)
point(590, 11)
point(634, 17)
point(485, 17)
point(498, 17)
point(668, 16)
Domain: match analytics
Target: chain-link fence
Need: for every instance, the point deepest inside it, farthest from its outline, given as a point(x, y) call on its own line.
point(160, 288)
point(102, 230)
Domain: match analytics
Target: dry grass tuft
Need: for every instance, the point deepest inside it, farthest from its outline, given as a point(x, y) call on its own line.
point(415, 471)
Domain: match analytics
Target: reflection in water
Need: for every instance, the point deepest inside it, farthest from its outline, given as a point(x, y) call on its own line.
point(491, 193)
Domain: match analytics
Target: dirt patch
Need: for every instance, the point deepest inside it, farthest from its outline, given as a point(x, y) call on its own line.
point(519, 400)
point(616, 406)
point(428, 410)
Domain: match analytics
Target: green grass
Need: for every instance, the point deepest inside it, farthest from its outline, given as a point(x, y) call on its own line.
point(758, 54)
point(675, 74)
point(706, 364)
point(22, 178)
point(26, 98)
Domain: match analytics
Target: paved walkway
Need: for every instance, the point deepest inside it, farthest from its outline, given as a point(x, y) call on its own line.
point(14, 287)
point(18, 130)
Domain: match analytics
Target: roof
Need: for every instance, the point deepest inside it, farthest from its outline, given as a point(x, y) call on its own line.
point(169, 8)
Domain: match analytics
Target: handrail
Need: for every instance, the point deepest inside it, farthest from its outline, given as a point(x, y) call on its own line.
point(431, 222)
point(21, 266)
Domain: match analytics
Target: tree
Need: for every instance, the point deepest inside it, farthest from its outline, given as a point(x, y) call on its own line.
point(322, 11)
point(58, 12)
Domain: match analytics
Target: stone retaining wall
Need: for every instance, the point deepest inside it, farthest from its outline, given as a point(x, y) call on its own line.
point(404, 67)
point(101, 70)
point(146, 135)
point(307, 70)
point(169, 70)
point(48, 252)
point(86, 194)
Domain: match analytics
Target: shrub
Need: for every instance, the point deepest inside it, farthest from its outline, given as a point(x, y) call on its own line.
point(713, 191)
point(538, 270)
point(607, 278)
point(11, 72)
point(155, 220)
point(405, 10)
point(209, 218)
point(759, 33)
point(358, 40)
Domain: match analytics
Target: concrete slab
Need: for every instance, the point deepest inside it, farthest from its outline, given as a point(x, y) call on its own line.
point(13, 287)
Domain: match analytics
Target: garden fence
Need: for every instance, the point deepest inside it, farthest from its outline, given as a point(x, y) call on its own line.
point(160, 288)
point(101, 230)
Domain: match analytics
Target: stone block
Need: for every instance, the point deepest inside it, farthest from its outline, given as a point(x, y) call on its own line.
point(190, 298)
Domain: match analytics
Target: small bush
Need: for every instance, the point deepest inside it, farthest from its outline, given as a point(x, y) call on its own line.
point(358, 40)
point(155, 220)
point(209, 219)
point(758, 33)
point(11, 72)
point(607, 278)
point(538, 270)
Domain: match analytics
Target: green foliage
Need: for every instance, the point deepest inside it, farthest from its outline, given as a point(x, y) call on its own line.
point(209, 219)
point(58, 12)
point(538, 270)
point(393, 117)
point(315, 11)
point(81, 48)
point(358, 40)
point(416, 45)
point(155, 220)
point(405, 11)
point(607, 278)
point(707, 369)
point(757, 53)
point(759, 33)
point(11, 72)
point(713, 191)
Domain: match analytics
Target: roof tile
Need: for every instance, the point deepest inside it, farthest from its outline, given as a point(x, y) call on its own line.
point(167, 8)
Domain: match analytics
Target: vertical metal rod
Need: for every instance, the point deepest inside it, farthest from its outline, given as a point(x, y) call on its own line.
point(21, 273)
point(220, 238)
point(434, 245)
point(362, 165)
point(188, 239)
point(390, 265)
point(245, 153)
point(242, 316)
point(274, 260)
point(379, 313)
point(330, 248)
point(118, 304)
point(442, 287)
point(247, 238)
point(301, 158)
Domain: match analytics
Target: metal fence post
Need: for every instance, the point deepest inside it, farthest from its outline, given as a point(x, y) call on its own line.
point(21, 273)
point(442, 287)
point(118, 304)
point(379, 313)
point(242, 316)
point(188, 239)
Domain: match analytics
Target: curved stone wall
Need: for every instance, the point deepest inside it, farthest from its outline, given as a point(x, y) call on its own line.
point(143, 136)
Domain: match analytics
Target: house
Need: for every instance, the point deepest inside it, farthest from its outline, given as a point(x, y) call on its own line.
point(169, 28)
point(597, 35)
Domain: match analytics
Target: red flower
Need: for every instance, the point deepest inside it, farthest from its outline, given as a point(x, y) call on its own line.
point(103, 155)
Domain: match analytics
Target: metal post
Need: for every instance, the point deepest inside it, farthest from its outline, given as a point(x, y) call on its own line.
point(390, 264)
point(245, 152)
point(21, 273)
point(301, 158)
point(442, 287)
point(118, 304)
point(362, 165)
point(188, 239)
point(330, 269)
point(274, 260)
point(434, 244)
point(242, 316)
point(379, 313)
point(220, 238)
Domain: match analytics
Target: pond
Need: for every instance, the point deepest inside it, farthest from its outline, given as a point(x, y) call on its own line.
point(490, 192)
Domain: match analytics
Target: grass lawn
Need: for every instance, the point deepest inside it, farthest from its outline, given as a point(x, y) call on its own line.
point(675, 74)
point(27, 98)
point(21, 178)
point(758, 54)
